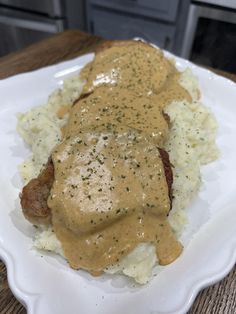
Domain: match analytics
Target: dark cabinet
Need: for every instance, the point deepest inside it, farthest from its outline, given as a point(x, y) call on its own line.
point(161, 22)
point(120, 26)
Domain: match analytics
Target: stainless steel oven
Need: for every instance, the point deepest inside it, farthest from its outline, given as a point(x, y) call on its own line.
point(210, 37)
point(23, 22)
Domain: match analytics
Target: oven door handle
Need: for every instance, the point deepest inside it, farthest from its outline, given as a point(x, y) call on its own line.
point(43, 25)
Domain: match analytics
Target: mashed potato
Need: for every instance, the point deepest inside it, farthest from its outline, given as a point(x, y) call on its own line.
point(41, 127)
point(190, 145)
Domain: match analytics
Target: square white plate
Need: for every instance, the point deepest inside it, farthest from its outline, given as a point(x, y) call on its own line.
point(44, 282)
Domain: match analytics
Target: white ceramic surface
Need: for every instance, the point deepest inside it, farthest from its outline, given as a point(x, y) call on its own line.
point(44, 282)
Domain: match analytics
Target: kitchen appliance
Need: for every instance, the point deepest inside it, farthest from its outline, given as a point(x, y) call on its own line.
point(210, 37)
point(23, 22)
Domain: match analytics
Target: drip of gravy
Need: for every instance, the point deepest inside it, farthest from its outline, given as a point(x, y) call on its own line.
point(110, 191)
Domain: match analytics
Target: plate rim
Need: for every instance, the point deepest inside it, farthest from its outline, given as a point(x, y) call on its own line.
point(29, 300)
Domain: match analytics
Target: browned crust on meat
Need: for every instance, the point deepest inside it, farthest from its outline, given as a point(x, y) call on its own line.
point(168, 171)
point(35, 194)
point(166, 117)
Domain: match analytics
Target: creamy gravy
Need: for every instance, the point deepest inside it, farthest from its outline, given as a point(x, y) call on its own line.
point(110, 191)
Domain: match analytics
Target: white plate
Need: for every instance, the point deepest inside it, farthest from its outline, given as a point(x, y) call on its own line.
point(45, 284)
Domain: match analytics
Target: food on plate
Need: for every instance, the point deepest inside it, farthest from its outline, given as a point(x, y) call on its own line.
point(121, 164)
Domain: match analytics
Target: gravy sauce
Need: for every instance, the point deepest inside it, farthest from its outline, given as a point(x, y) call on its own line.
point(110, 191)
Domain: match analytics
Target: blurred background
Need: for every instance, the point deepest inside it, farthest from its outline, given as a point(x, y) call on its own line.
point(203, 31)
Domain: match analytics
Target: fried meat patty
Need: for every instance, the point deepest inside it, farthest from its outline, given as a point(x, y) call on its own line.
point(35, 194)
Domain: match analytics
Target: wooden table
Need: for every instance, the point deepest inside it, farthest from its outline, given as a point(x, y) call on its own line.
point(219, 298)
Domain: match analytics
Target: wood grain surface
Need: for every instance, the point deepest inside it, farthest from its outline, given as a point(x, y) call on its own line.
point(217, 299)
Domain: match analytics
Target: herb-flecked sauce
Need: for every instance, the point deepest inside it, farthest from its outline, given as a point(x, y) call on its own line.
point(110, 191)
